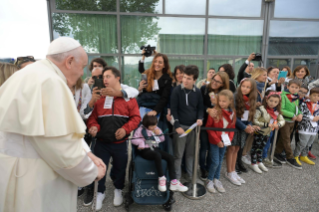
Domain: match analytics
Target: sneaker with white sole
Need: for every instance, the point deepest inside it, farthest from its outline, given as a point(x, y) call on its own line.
point(219, 186)
point(99, 200)
point(255, 168)
point(118, 197)
point(162, 184)
point(241, 180)
point(268, 163)
point(262, 167)
point(232, 178)
point(210, 186)
point(177, 186)
point(246, 159)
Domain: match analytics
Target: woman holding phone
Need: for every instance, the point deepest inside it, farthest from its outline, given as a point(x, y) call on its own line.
point(156, 85)
point(273, 83)
point(220, 81)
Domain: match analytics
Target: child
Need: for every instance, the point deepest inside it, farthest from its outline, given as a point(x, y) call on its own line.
point(308, 127)
point(147, 137)
point(187, 108)
point(269, 118)
point(245, 105)
point(291, 113)
point(225, 118)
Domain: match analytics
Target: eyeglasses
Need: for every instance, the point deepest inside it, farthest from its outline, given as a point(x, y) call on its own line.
point(21, 60)
point(217, 82)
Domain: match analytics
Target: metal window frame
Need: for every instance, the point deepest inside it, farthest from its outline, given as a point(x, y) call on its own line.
point(267, 15)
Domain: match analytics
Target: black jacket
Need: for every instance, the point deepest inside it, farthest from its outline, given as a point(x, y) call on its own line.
point(241, 73)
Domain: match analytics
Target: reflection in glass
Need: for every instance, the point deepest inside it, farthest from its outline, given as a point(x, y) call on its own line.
point(296, 9)
point(280, 63)
point(175, 61)
point(96, 33)
point(293, 38)
point(85, 5)
point(188, 7)
point(142, 6)
point(234, 36)
point(169, 35)
point(111, 61)
point(310, 63)
point(242, 8)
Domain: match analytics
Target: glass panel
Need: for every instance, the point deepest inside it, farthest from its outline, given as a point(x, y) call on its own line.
point(310, 63)
point(280, 63)
point(111, 61)
point(168, 34)
point(242, 8)
point(234, 36)
point(96, 33)
point(293, 38)
point(84, 5)
point(296, 9)
point(177, 7)
point(142, 6)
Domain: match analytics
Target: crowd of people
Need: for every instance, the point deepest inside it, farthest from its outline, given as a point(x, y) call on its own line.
point(256, 107)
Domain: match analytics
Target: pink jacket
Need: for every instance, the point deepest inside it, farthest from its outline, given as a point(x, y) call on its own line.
point(139, 140)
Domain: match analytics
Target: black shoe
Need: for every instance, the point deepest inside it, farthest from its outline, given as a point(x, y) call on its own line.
point(88, 198)
point(203, 175)
point(279, 158)
point(293, 163)
point(80, 192)
point(276, 164)
point(237, 169)
point(241, 167)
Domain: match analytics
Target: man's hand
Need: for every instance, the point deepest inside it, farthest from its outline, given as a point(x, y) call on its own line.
point(120, 133)
point(180, 130)
point(220, 144)
point(251, 57)
point(212, 112)
point(95, 96)
point(143, 84)
point(111, 92)
point(157, 131)
point(97, 161)
point(299, 117)
point(199, 122)
point(152, 113)
point(93, 131)
point(101, 173)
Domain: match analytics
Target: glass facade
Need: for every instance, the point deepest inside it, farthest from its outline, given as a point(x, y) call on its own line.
point(206, 33)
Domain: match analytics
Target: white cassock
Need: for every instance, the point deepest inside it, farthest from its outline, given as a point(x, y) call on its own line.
point(43, 157)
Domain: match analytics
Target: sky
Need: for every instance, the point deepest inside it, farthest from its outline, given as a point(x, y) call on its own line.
point(24, 28)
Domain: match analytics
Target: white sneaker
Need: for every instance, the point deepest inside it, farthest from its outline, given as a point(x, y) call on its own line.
point(178, 186)
point(99, 200)
point(262, 167)
point(231, 177)
point(210, 186)
point(241, 180)
point(268, 163)
point(255, 168)
point(118, 197)
point(162, 184)
point(219, 186)
point(246, 159)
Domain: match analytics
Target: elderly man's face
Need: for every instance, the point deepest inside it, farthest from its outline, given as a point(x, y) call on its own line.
point(79, 64)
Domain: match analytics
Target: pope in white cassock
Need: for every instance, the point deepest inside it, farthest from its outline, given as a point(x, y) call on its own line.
point(43, 157)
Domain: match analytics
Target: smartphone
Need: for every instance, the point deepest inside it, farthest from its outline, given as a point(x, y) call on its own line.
point(282, 74)
point(98, 83)
point(144, 77)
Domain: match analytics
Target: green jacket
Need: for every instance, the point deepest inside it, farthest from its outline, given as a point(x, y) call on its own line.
point(288, 108)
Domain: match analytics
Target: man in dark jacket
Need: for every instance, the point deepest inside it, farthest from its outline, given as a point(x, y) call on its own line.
point(111, 122)
point(246, 69)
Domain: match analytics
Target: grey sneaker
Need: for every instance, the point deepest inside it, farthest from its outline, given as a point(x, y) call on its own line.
point(267, 163)
point(232, 178)
point(219, 186)
point(210, 186)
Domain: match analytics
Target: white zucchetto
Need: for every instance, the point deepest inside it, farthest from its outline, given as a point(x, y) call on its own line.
point(62, 45)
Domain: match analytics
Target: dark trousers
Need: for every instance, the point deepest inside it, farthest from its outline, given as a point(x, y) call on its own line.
point(119, 154)
point(204, 158)
point(157, 155)
point(283, 142)
point(257, 148)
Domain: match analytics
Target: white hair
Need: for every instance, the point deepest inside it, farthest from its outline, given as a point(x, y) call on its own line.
point(76, 53)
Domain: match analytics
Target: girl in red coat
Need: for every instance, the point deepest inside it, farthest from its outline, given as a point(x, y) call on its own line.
point(224, 117)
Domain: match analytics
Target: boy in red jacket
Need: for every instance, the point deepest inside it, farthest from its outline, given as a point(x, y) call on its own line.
point(111, 122)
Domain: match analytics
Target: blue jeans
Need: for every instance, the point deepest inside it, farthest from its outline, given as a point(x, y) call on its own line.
point(204, 162)
point(216, 158)
point(270, 140)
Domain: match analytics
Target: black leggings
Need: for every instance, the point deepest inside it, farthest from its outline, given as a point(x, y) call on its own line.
point(157, 155)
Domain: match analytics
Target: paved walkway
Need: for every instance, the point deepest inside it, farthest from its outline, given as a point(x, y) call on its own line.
point(285, 189)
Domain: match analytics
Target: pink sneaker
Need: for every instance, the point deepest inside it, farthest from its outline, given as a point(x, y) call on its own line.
point(162, 184)
point(177, 186)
